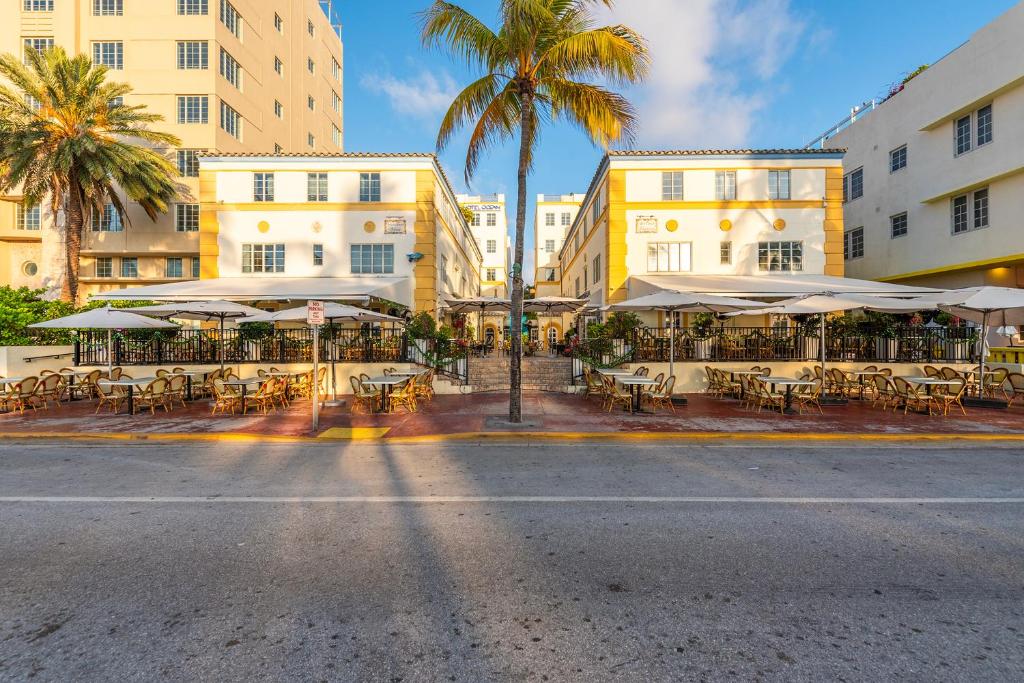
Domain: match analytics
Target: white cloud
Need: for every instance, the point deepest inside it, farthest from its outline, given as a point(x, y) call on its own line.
point(423, 95)
point(712, 66)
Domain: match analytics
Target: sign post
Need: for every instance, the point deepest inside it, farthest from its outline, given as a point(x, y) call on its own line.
point(315, 318)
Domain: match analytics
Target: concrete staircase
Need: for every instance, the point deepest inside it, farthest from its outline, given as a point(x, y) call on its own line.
point(540, 373)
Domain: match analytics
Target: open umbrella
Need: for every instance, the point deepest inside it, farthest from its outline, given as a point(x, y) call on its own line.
point(553, 304)
point(108, 319)
point(671, 301)
point(202, 310)
point(333, 312)
point(481, 305)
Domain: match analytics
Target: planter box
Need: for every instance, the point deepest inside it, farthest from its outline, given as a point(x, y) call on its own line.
point(810, 347)
point(702, 349)
point(886, 350)
point(957, 350)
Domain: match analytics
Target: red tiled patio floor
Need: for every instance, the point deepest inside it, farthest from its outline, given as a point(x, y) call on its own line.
point(545, 412)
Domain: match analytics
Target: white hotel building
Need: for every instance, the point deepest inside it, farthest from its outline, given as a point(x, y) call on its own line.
point(489, 225)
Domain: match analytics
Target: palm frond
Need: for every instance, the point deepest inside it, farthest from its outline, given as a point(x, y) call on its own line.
point(605, 116)
point(448, 26)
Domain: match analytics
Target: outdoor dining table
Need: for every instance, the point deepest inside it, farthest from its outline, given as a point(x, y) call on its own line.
point(243, 385)
point(928, 383)
point(129, 384)
point(789, 383)
point(635, 383)
point(386, 384)
point(860, 375)
point(734, 373)
point(407, 373)
point(190, 375)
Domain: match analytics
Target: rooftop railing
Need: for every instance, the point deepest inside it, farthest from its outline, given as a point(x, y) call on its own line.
point(856, 113)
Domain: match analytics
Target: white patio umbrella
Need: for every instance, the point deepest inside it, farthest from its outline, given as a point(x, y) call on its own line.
point(108, 319)
point(1000, 306)
point(202, 310)
point(672, 301)
point(553, 304)
point(333, 312)
point(481, 305)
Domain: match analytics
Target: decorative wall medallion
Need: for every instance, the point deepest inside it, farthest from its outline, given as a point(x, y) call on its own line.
point(369, 226)
point(263, 226)
point(648, 224)
point(672, 225)
point(726, 225)
point(394, 225)
point(779, 224)
point(317, 227)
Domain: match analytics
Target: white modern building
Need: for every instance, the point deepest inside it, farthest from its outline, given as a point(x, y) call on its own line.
point(934, 174)
point(554, 215)
point(489, 224)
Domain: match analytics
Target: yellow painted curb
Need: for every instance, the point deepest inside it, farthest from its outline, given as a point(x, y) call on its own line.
point(354, 433)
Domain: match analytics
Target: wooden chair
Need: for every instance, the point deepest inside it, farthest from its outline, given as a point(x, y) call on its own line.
point(162, 373)
point(361, 396)
point(767, 398)
point(155, 394)
point(1016, 382)
point(931, 371)
point(951, 396)
point(615, 396)
point(661, 397)
point(111, 395)
point(808, 397)
point(424, 385)
point(263, 399)
point(22, 395)
point(176, 389)
point(86, 387)
point(405, 397)
point(884, 391)
point(51, 388)
point(994, 383)
point(224, 398)
point(593, 384)
point(909, 396)
point(714, 388)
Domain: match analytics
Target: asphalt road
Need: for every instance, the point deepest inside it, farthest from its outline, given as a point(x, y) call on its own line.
point(530, 562)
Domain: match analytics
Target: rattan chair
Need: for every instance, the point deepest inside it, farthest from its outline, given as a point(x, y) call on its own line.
point(361, 396)
point(51, 388)
point(615, 396)
point(910, 397)
point(224, 398)
point(661, 397)
point(176, 389)
point(951, 396)
point(111, 395)
point(404, 397)
point(808, 397)
point(1016, 382)
point(766, 398)
point(155, 394)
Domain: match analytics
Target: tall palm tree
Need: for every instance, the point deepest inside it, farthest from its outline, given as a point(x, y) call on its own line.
point(536, 67)
point(65, 135)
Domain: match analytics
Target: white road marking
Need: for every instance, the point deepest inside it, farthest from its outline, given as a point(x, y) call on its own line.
point(370, 500)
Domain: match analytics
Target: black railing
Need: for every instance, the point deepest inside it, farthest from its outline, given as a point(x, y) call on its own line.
point(448, 357)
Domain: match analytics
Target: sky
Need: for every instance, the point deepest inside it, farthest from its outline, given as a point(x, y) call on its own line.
point(724, 74)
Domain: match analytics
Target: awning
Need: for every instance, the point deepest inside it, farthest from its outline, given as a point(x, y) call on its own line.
point(256, 288)
point(767, 286)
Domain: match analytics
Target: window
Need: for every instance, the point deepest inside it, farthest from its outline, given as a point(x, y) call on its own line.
point(193, 7)
point(38, 44)
point(595, 210)
point(725, 253)
point(310, 103)
point(193, 109)
point(316, 187)
point(970, 211)
point(984, 125)
point(780, 256)
point(492, 220)
point(129, 266)
point(585, 280)
point(230, 121)
point(959, 209)
point(672, 186)
point(195, 266)
point(116, 102)
point(566, 219)
point(778, 185)
point(336, 135)
point(853, 244)
point(668, 257)
point(962, 134)
point(173, 267)
point(310, 29)
point(549, 246)
point(107, 220)
point(335, 69)
point(193, 54)
point(336, 102)
point(898, 158)
point(853, 185)
point(278, 66)
point(897, 226)
point(310, 65)
point(373, 258)
point(369, 187)
point(38, 5)
point(104, 266)
point(492, 274)
point(278, 23)
point(188, 163)
point(278, 148)
point(597, 268)
point(230, 17)
point(577, 288)
point(109, 53)
point(108, 8)
point(310, 140)
point(28, 217)
point(263, 187)
point(186, 218)
point(492, 246)
point(318, 254)
point(549, 219)
point(230, 69)
point(262, 258)
point(475, 221)
point(278, 109)
point(725, 184)
point(981, 208)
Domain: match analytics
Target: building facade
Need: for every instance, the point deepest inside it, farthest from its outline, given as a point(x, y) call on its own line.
point(552, 219)
point(489, 224)
point(383, 227)
point(935, 173)
point(227, 76)
point(704, 221)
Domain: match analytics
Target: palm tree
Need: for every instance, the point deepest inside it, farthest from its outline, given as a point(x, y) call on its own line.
point(66, 135)
point(536, 67)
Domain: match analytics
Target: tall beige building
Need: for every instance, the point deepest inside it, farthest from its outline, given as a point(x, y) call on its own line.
point(227, 76)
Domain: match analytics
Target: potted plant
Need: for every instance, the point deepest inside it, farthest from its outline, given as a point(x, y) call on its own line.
point(422, 330)
point(809, 331)
point(886, 331)
point(703, 330)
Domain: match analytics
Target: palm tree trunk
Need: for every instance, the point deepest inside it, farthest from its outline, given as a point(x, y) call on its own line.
point(515, 383)
point(73, 243)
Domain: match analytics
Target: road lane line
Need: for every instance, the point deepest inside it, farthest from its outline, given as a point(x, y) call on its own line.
point(369, 500)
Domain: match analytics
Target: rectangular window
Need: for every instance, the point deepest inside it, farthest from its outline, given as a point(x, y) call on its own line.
point(672, 186)
point(492, 220)
point(549, 246)
point(230, 121)
point(577, 288)
point(278, 148)
point(336, 102)
point(188, 163)
point(898, 158)
point(230, 17)
point(778, 185)
point(109, 53)
point(262, 258)
point(780, 256)
point(668, 257)
point(310, 65)
point(981, 208)
point(369, 187)
point(310, 140)
point(196, 262)
point(566, 219)
point(960, 220)
point(37, 44)
point(595, 211)
point(725, 185)
point(373, 258)
point(38, 5)
point(186, 217)
point(597, 268)
point(230, 69)
point(28, 218)
point(173, 267)
point(193, 7)
point(107, 220)
point(108, 8)
point(585, 280)
point(193, 54)
point(104, 266)
point(549, 220)
point(962, 134)
point(310, 103)
point(263, 187)
point(335, 69)
point(316, 187)
point(278, 66)
point(318, 254)
point(853, 185)
point(336, 136)
point(853, 244)
point(475, 221)
point(129, 266)
point(310, 28)
point(725, 253)
point(984, 125)
point(492, 246)
point(193, 109)
point(492, 274)
point(278, 109)
point(897, 225)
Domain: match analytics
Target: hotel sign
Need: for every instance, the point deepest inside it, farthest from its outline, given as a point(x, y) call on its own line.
point(394, 225)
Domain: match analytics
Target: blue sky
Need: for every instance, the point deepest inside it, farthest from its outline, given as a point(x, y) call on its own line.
point(726, 74)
